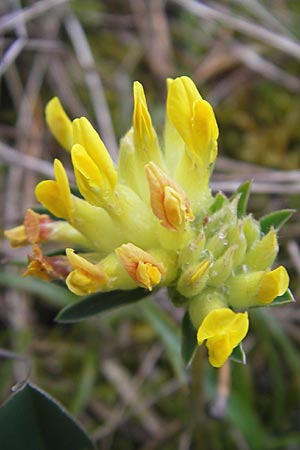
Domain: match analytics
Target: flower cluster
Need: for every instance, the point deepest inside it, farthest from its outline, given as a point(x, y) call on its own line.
point(152, 220)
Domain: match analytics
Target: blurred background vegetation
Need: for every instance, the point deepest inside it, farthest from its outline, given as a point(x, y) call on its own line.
point(120, 373)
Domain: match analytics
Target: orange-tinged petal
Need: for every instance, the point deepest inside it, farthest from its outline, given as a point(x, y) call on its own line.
point(140, 265)
point(168, 200)
point(36, 226)
point(47, 268)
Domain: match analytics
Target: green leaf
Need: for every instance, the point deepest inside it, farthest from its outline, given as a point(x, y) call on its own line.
point(168, 333)
point(244, 417)
point(219, 201)
point(99, 302)
point(238, 355)
point(243, 191)
point(33, 420)
point(275, 219)
point(189, 340)
point(58, 296)
point(284, 299)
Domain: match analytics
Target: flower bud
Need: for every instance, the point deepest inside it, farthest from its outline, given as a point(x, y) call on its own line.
point(192, 251)
point(257, 288)
point(263, 253)
point(251, 230)
point(193, 280)
point(236, 237)
point(221, 269)
point(168, 200)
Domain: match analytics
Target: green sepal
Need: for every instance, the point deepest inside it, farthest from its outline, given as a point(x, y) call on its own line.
point(283, 299)
point(238, 355)
point(275, 219)
point(219, 201)
point(99, 302)
point(243, 192)
point(189, 343)
point(31, 419)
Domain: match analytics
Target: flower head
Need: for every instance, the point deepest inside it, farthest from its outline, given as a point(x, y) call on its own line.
point(151, 220)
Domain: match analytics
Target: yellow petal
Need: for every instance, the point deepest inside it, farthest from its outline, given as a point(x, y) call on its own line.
point(142, 124)
point(193, 279)
point(273, 284)
point(205, 131)
point(16, 236)
point(56, 195)
point(85, 135)
point(59, 123)
point(147, 275)
point(86, 277)
point(182, 93)
point(89, 180)
point(144, 134)
point(219, 350)
point(223, 330)
point(194, 120)
point(201, 270)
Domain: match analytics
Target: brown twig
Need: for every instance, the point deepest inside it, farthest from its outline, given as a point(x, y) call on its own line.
point(93, 81)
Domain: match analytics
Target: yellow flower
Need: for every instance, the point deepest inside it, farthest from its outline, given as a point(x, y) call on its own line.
point(257, 288)
point(85, 277)
point(223, 330)
point(140, 265)
point(151, 221)
point(194, 120)
point(273, 284)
